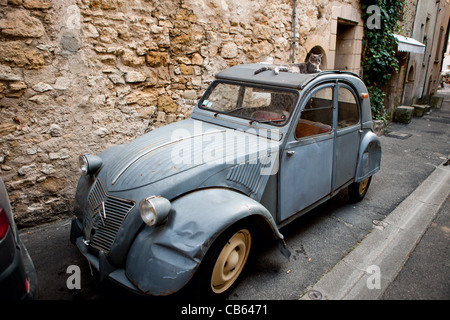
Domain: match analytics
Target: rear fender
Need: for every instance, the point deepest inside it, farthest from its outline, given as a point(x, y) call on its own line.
point(369, 156)
point(164, 258)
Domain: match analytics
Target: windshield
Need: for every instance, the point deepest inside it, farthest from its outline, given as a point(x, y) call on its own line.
point(256, 104)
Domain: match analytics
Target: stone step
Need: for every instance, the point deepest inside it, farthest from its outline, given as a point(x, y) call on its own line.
point(436, 101)
point(403, 114)
point(420, 109)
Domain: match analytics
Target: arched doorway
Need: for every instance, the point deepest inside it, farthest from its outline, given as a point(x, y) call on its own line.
point(318, 50)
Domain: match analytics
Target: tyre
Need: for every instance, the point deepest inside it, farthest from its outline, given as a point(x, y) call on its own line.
point(357, 190)
point(223, 264)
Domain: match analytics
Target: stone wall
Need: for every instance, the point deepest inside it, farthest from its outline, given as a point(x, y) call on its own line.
point(78, 76)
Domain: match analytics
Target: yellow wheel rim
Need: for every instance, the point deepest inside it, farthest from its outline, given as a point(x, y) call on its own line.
point(231, 261)
point(363, 186)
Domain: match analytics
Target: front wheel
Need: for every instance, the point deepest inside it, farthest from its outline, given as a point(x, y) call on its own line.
point(357, 190)
point(224, 262)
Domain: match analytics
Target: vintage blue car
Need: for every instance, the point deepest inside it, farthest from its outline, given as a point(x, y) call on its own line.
point(181, 206)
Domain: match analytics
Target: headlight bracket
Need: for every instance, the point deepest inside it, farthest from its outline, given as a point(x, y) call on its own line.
point(89, 164)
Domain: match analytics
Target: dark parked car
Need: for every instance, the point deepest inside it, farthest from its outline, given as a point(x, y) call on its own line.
point(17, 273)
point(183, 204)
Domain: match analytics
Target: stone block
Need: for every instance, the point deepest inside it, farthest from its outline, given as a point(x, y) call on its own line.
point(379, 127)
point(229, 50)
point(20, 24)
point(166, 104)
point(37, 4)
point(130, 59)
point(419, 110)
point(42, 87)
point(134, 77)
point(436, 101)
point(403, 114)
point(156, 59)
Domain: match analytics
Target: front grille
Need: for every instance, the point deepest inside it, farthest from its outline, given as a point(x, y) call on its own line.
point(105, 217)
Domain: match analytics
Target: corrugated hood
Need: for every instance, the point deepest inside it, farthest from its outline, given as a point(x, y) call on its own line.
point(184, 150)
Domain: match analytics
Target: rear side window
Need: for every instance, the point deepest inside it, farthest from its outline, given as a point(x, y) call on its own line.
point(348, 114)
point(317, 115)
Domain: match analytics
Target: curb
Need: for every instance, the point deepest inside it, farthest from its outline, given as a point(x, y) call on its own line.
point(366, 272)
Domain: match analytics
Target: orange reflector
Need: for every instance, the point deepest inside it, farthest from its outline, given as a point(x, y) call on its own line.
point(364, 96)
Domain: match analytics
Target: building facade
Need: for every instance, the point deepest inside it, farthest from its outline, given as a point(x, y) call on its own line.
point(420, 72)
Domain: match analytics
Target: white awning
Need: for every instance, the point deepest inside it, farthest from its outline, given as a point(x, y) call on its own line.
point(406, 44)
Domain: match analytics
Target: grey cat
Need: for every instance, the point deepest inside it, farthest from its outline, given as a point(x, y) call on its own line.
point(311, 66)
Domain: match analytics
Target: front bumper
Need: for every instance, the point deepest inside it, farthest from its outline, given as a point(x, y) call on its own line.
point(100, 262)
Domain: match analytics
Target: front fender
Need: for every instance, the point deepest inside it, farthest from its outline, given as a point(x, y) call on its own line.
point(162, 259)
point(369, 156)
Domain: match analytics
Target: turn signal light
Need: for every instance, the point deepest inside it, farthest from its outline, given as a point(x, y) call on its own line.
point(364, 96)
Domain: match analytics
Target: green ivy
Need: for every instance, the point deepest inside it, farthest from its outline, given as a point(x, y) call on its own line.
point(376, 101)
point(378, 58)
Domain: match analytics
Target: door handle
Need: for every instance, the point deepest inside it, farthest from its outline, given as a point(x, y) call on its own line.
point(290, 152)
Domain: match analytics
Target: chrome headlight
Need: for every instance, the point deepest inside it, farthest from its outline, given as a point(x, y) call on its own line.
point(89, 164)
point(154, 210)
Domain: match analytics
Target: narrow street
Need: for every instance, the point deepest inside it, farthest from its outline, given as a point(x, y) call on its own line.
point(317, 241)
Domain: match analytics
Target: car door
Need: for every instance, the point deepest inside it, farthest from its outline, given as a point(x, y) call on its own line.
point(348, 127)
point(306, 163)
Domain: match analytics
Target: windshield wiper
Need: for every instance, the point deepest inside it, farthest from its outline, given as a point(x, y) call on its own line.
point(268, 121)
point(228, 112)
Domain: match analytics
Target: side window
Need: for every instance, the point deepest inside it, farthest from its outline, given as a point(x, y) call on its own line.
point(347, 109)
point(317, 115)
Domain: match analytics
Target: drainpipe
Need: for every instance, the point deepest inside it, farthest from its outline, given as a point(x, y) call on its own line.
point(294, 14)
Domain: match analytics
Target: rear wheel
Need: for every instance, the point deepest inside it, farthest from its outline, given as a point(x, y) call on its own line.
point(224, 262)
point(357, 190)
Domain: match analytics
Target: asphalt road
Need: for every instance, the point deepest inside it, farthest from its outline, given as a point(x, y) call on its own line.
point(318, 240)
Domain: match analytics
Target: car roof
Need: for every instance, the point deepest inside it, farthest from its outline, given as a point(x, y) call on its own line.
point(246, 73)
